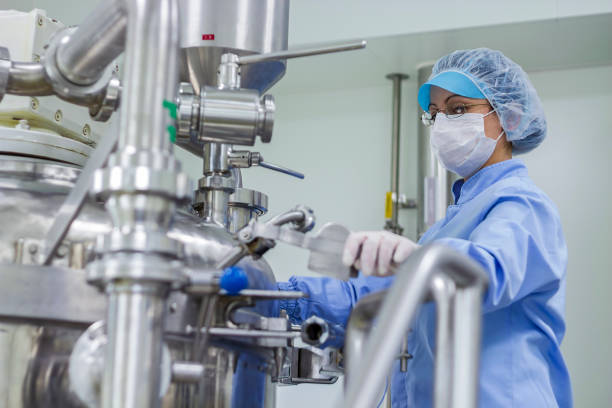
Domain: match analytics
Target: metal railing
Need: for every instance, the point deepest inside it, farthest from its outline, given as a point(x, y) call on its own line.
point(456, 284)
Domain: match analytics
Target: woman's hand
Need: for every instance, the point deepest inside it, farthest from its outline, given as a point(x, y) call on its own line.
point(373, 252)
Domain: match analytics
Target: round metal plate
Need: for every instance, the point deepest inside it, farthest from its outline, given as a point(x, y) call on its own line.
point(33, 143)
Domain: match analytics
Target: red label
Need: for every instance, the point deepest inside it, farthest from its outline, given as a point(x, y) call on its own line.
point(206, 37)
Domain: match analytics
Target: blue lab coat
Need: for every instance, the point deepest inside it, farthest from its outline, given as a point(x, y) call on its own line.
point(504, 222)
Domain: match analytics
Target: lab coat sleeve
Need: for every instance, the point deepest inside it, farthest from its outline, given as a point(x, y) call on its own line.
point(520, 245)
point(328, 298)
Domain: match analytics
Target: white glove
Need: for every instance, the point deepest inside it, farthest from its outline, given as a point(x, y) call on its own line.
point(373, 251)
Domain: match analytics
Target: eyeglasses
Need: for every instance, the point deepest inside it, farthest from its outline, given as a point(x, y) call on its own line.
point(453, 110)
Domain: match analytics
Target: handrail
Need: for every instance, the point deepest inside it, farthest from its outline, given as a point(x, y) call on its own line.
point(414, 280)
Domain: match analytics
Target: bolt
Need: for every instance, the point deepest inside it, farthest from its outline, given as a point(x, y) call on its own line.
point(58, 115)
point(62, 251)
point(41, 21)
point(86, 130)
point(23, 124)
point(34, 103)
point(32, 248)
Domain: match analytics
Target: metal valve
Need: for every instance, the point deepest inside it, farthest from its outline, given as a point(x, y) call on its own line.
point(224, 115)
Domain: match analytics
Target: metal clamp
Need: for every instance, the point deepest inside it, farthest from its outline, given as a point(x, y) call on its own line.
point(142, 179)
point(110, 103)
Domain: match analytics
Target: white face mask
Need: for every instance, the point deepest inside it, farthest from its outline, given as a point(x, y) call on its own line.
point(461, 144)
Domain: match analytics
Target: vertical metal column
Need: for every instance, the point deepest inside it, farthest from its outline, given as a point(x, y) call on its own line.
point(133, 357)
point(467, 307)
point(141, 185)
point(443, 291)
point(392, 224)
point(434, 181)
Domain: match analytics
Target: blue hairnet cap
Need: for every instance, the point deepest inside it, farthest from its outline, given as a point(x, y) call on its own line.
point(507, 88)
point(453, 81)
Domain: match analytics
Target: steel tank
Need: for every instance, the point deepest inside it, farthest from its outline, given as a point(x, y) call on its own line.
point(46, 309)
point(210, 29)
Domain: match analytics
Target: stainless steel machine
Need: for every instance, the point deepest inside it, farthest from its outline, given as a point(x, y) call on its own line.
point(123, 284)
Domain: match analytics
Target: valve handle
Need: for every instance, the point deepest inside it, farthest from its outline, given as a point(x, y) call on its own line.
point(305, 52)
point(281, 169)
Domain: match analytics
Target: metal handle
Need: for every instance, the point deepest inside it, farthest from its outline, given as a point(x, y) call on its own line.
point(281, 169)
point(244, 159)
point(306, 52)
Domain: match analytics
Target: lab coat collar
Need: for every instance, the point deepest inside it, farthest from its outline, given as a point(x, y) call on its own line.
point(485, 177)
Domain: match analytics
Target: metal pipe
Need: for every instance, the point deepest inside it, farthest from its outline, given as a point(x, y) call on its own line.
point(397, 79)
point(137, 284)
point(187, 372)
point(358, 329)
point(288, 217)
point(443, 291)
point(84, 55)
point(151, 75)
point(247, 333)
point(133, 354)
point(412, 283)
point(215, 208)
point(28, 79)
point(434, 181)
point(466, 352)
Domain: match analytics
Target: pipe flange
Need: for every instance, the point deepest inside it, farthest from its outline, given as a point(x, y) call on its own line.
point(266, 123)
point(63, 87)
point(112, 96)
point(253, 200)
point(136, 267)
point(217, 182)
point(139, 241)
point(309, 218)
point(86, 365)
point(143, 180)
point(155, 159)
point(5, 69)
point(188, 111)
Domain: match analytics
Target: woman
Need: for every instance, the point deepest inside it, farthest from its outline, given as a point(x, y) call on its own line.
point(483, 109)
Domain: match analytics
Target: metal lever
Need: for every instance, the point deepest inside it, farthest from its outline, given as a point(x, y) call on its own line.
point(244, 159)
point(306, 52)
point(282, 169)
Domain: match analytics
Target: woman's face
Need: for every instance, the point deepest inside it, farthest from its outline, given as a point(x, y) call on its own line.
point(439, 98)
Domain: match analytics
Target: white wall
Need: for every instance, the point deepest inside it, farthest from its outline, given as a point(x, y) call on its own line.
point(324, 20)
point(574, 167)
